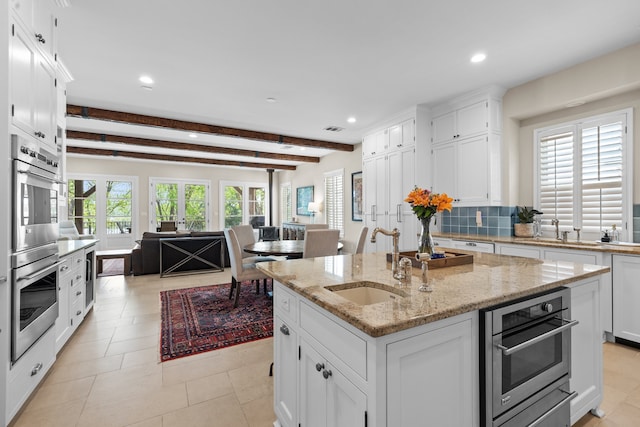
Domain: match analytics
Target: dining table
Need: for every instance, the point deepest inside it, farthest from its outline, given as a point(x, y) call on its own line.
point(289, 248)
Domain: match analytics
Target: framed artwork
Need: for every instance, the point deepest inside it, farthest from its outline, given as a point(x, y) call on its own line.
point(356, 196)
point(304, 195)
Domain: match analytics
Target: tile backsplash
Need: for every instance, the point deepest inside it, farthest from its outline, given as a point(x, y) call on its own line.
point(498, 221)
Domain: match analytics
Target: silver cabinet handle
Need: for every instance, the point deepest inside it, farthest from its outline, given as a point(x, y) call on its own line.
point(79, 260)
point(64, 268)
point(326, 374)
point(78, 293)
point(36, 369)
point(399, 213)
point(78, 313)
point(374, 212)
point(3, 279)
point(507, 351)
point(552, 410)
point(471, 244)
point(284, 329)
point(319, 366)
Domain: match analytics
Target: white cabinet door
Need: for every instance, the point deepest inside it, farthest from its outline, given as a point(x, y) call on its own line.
point(375, 199)
point(382, 141)
point(472, 171)
point(586, 348)
point(443, 128)
point(23, 64)
point(313, 387)
point(409, 132)
point(432, 379)
point(45, 104)
point(401, 181)
point(346, 404)
point(285, 364)
point(368, 145)
point(472, 119)
point(328, 398)
point(63, 321)
point(444, 172)
point(626, 295)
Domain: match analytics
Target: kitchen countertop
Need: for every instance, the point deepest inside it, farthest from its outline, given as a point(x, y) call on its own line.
point(490, 280)
point(65, 247)
point(632, 249)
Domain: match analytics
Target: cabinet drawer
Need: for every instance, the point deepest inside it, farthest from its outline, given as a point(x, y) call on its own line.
point(285, 303)
point(78, 258)
point(513, 250)
point(77, 312)
point(65, 266)
point(29, 370)
point(348, 347)
point(474, 246)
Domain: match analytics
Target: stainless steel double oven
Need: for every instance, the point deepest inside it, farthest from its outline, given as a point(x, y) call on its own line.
point(526, 362)
point(34, 260)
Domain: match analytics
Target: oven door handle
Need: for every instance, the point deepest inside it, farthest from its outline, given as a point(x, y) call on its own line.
point(39, 272)
point(510, 350)
point(552, 410)
point(38, 176)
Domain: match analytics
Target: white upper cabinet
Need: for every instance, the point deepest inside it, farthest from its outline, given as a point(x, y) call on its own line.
point(402, 135)
point(375, 144)
point(466, 150)
point(38, 17)
point(461, 123)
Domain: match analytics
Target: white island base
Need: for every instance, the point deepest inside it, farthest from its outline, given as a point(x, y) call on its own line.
point(329, 373)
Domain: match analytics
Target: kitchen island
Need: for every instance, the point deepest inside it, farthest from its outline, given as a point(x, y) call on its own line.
point(415, 356)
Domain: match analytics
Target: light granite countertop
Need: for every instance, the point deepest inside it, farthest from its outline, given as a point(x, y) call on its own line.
point(620, 248)
point(65, 247)
point(490, 280)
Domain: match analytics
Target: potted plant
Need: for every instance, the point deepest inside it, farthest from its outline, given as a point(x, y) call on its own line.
point(525, 227)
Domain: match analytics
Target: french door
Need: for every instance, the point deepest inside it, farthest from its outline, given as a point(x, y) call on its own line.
point(105, 207)
point(243, 203)
point(183, 202)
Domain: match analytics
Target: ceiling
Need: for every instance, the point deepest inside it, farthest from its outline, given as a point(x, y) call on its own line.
point(217, 62)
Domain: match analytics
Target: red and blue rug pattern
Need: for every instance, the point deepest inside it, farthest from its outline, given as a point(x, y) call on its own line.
point(196, 320)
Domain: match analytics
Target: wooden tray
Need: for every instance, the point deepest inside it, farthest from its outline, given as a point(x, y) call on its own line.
point(450, 259)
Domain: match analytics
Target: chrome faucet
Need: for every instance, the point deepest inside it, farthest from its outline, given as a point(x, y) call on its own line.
point(395, 253)
point(577, 230)
point(555, 222)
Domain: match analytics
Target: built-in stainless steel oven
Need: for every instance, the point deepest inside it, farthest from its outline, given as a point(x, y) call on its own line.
point(36, 182)
point(526, 361)
point(34, 296)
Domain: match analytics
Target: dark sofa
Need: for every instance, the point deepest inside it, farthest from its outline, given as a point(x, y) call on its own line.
point(145, 256)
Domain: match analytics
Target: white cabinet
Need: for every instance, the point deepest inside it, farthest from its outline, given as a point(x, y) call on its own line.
point(401, 180)
point(285, 364)
point(433, 376)
point(327, 397)
point(461, 123)
point(518, 250)
point(466, 150)
point(375, 144)
point(388, 178)
point(33, 89)
point(38, 16)
point(626, 295)
point(473, 246)
point(586, 348)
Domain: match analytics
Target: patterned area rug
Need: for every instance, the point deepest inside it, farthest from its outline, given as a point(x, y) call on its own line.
point(195, 320)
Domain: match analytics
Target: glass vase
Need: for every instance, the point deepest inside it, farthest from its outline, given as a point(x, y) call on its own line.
point(425, 244)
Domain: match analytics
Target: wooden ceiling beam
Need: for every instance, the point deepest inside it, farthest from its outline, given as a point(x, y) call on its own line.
point(164, 157)
point(139, 119)
point(156, 143)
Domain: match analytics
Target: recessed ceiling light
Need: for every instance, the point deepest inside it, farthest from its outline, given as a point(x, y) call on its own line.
point(146, 80)
point(271, 100)
point(351, 120)
point(193, 135)
point(478, 57)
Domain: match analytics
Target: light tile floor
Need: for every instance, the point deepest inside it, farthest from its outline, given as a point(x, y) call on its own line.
point(109, 373)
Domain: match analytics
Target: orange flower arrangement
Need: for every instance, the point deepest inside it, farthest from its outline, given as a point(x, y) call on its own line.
point(425, 203)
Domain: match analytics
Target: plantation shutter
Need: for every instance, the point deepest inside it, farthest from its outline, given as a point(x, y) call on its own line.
point(602, 169)
point(334, 200)
point(285, 203)
point(556, 176)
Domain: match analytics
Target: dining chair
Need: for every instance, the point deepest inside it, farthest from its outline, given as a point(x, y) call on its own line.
point(321, 243)
point(362, 240)
point(240, 270)
point(245, 236)
point(168, 226)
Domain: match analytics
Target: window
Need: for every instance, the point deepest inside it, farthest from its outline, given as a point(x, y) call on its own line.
point(183, 202)
point(119, 207)
point(334, 199)
point(242, 203)
point(583, 174)
point(286, 207)
point(82, 204)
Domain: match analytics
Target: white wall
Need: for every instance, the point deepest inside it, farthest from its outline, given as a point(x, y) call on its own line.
point(608, 83)
point(146, 169)
point(312, 174)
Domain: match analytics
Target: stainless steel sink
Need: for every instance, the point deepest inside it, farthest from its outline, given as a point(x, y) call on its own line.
point(365, 293)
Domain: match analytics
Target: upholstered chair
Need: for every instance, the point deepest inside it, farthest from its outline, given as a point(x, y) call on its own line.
point(362, 240)
point(320, 243)
point(245, 236)
point(240, 270)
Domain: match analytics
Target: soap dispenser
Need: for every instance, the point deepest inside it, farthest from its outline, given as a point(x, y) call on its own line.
point(605, 237)
point(615, 234)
